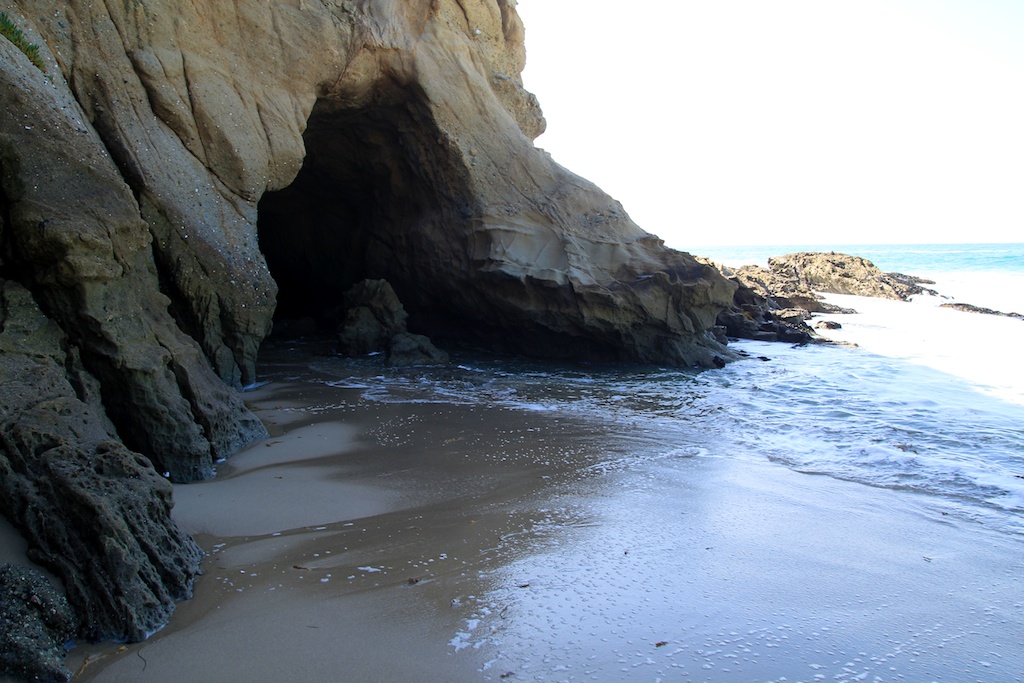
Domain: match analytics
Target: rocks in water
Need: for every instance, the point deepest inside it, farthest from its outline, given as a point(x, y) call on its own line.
point(413, 349)
point(774, 303)
point(35, 623)
point(760, 285)
point(971, 308)
point(835, 273)
point(756, 315)
point(375, 320)
point(373, 315)
point(828, 325)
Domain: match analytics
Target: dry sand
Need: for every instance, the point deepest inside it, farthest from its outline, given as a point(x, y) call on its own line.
point(417, 542)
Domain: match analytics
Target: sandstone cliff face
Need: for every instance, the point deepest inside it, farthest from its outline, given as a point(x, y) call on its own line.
point(181, 169)
point(166, 124)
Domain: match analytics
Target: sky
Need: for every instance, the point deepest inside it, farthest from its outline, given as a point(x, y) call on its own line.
point(761, 122)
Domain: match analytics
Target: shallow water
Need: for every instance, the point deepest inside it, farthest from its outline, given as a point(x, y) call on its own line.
point(847, 413)
point(827, 514)
point(804, 514)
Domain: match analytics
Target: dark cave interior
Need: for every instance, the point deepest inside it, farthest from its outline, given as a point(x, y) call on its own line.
point(373, 181)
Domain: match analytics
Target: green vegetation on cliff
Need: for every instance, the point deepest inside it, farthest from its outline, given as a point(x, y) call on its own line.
point(11, 32)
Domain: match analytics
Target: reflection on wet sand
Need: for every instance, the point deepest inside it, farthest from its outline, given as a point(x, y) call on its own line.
point(430, 540)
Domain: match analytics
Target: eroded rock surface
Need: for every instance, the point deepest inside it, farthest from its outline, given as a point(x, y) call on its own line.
point(413, 133)
point(94, 512)
point(177, 171)
point(843, 274)
point(35, 622)
point(74, 236)
point(406, 349)
point(374, 321)
point(373, 315)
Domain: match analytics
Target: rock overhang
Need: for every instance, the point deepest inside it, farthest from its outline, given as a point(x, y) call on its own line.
point(180, 171)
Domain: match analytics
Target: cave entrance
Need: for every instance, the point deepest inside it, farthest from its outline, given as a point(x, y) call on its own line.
point(375, 184)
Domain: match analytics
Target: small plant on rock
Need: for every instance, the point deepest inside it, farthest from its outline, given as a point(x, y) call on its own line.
point(10, 31)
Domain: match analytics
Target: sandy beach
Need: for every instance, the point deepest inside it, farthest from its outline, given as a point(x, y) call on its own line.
point(419, 541)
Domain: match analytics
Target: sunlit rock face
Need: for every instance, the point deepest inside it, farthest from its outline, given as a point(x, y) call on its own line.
point(420, 170)
point(171, 151)
point(173, 172)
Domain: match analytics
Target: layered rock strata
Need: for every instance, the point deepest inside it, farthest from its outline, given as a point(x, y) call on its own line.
point(167, 144)
point(170, 173)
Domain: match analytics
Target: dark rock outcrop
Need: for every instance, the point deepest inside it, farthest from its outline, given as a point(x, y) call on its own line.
point(375, 320)
point(971, 308)
point(413, 349)
point(774, 303)
point(74, 236)
point(35, 623)
point(778, 288)
point(94, 512)
point(373, 315)
point(756, 313)
point(843, 274)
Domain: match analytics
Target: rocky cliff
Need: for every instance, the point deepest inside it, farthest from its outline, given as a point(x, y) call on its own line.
point(171, 173)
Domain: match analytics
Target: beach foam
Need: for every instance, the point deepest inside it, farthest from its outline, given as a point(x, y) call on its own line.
point(976, 347)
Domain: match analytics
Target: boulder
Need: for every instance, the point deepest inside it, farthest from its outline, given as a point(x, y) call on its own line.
point(375, 321)
point(843, 274)
point(373, 315)
point(406, 349)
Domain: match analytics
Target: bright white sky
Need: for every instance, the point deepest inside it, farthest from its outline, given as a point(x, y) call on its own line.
point(746, 122)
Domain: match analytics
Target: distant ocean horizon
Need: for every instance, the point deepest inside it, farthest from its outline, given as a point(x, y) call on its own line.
point(911, 259)
point(987, 275)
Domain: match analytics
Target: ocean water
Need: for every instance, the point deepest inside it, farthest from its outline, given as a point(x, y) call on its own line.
point(971, 273)
point(846, 413)
point(919, 398)
point(912, 259)
point(835, 512)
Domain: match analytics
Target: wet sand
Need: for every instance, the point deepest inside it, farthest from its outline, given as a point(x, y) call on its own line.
point(368, 541)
